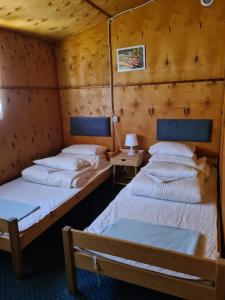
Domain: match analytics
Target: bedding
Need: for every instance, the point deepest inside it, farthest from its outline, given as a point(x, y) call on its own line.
point(188, 161)
point(170, 170)
point(12, 209)
point(201, 218)
point(96, 161)
point(55, 177)
point(63, 161)
point(172, 148)
point(48, 198)
point(161, 236)
point(190, 190)
point(85, 149)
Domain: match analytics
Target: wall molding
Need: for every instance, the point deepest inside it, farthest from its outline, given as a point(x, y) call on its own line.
point(27, 88)
point(212, 80)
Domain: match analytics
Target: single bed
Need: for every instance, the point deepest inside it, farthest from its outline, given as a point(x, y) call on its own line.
point(191, 277)
point(54, 202)
point(201, 217)
point(198, 276)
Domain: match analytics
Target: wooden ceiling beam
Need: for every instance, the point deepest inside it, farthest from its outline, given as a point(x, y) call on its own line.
point(98, 8)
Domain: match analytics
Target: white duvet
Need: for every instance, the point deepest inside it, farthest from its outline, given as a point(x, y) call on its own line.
point(55, 177)
point(199, 217)
point(190, 190)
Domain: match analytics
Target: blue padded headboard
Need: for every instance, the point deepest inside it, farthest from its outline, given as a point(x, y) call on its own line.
point(90, 126)
point(197, 130)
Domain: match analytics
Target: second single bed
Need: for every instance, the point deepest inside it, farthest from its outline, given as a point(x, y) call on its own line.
point(51, 203)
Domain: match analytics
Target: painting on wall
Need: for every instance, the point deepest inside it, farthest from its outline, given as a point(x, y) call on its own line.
point(131, 58)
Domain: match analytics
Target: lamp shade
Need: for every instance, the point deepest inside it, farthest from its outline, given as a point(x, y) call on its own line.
point(131, 140)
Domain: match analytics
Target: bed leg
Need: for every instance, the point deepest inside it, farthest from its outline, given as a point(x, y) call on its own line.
point(69, 261)
point(220, 280)
point(16, 252)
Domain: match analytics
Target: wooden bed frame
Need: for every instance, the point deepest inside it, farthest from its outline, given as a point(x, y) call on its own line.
point(210, 270)
point(17, 241)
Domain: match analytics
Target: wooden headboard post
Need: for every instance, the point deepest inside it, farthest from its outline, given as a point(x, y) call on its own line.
point(222, 172)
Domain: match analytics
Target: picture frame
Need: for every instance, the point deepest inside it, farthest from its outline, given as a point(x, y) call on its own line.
point(131, 58)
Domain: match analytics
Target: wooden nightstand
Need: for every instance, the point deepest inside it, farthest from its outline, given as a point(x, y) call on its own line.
point(121, 162)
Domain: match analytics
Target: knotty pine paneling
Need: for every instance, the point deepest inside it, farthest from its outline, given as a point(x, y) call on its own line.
point(30, 127)
point(184, 42)
point(140, 106)
point(183, 39)
point(84, 102)
point(30, 123)
point(53, 20)
point(83, 60)
point(25, 62)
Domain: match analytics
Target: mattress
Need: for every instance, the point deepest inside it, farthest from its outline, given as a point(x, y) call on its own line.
point(199, 217)
point(48, 198)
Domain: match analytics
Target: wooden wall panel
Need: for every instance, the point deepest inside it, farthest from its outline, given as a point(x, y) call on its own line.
point(83, 60)
point(30, 128)
point(25, 62)
point(184, 41)
point(140, 106)
point(30, 124)
point(84, 102)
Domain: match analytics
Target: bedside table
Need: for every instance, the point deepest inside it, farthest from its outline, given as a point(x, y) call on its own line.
point(122, 162)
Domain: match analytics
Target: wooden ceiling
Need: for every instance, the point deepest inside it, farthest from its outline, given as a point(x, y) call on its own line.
point(56, 19)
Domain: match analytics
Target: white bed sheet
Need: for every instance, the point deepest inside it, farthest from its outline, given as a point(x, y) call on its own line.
point(47, 197)
point(200, 217)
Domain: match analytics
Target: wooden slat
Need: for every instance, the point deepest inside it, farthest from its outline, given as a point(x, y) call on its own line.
point(222, 170)
point(33, 232)
point(167, 284)
point(220, 280)
point(203, 268)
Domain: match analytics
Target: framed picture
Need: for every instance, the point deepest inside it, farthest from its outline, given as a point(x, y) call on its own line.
point(131, 58)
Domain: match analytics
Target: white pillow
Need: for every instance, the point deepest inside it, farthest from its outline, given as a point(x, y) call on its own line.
point(63, 162)
point(85, 149)
point(172, 148)
point(188, 161)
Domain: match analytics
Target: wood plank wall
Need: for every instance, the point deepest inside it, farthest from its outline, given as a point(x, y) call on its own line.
point(30, 124)
point(83, 78)
point(185, 59)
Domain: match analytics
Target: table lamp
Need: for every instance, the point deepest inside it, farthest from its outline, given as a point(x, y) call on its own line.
point(131, 141)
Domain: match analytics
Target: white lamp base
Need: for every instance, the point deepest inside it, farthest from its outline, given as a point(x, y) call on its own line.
point(131, 152)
